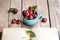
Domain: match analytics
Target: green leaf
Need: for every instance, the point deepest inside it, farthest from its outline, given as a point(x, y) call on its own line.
point(31, 33)
point(33, 8)
point(10, 10)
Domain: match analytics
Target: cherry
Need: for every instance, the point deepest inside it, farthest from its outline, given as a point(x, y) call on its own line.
point(27, 13)
point(18, 21)
point(15, 11)
point(31, 12)
point(13, 21)
point(34, 15)
point(44, 19)
point(30, 17)
point(34, 12)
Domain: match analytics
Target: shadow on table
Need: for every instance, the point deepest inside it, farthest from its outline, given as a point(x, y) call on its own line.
point(0, 35)
point(59, 37)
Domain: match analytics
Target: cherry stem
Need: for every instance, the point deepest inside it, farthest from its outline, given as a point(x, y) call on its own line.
point(30, 37)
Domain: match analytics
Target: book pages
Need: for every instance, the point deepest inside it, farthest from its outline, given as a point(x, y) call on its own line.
point(46, 33)
point(15, 34)
point(20, 34)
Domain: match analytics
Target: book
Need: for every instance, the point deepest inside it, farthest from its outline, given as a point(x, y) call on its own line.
point(41, 33)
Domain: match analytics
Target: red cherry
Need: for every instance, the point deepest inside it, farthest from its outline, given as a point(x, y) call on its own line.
point(44, 19)
point(18, 21)
point(15, 11)
point(30, 17)
point(34, 12)
point(31, 12)
point(13, 21)
point(34, 15)
point(27, 13)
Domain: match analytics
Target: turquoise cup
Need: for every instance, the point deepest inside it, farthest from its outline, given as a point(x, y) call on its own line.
point(34, 21)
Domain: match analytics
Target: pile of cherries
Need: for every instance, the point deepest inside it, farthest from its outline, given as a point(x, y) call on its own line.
point(29, 14)
point(14, 21)
point(14, 11)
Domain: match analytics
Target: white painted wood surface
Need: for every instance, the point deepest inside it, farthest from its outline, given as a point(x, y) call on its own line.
point(42, 8)
point(54, 7)
point(4, 6)
point(15, 4)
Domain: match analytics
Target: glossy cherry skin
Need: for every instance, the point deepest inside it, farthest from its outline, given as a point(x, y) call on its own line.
point(18, 21)
point(31, 12)
point(34, 15)
point(13, 21)
point(30, 17)
point(26, 13)
point(44, 19)
point(15, 11)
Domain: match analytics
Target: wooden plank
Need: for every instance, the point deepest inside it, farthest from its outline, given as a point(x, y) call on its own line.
point(16, 4)
point(4, 6)
point(43, 9)
point(25, 5)
point(54, 7)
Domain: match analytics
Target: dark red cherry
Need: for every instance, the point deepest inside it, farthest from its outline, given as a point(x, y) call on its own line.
point(13, 21)
point(15, 11)
point(30, 17)
point(44, 19)
point(18, 21)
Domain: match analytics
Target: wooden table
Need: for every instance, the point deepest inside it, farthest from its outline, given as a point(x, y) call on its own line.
point(49, 9)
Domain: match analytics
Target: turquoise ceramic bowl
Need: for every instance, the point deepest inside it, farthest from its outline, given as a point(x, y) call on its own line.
point(32, 22)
